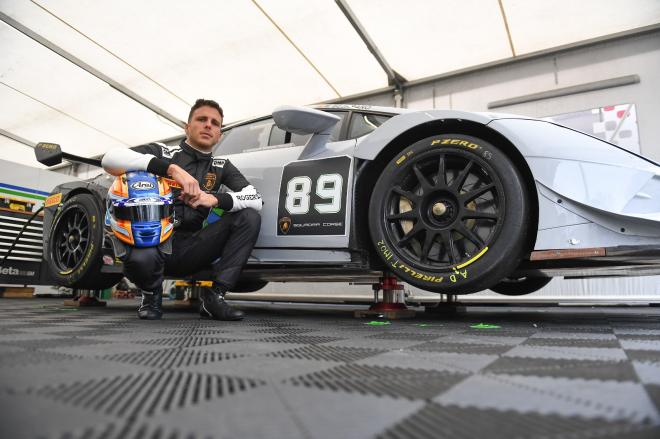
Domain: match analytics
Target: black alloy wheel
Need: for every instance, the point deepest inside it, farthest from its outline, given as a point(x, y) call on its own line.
point(449, 214)
point(70, 240)
point(74, 247)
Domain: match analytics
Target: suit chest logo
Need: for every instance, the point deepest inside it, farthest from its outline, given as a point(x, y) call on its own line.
point(209, 181)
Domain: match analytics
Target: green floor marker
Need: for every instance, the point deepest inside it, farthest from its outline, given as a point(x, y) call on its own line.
point(484, 326)
point(377, 323)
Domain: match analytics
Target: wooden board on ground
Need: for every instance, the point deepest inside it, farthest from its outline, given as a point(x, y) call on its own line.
point(16, 292)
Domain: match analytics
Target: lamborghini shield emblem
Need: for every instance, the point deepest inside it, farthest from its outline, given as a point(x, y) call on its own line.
point(285, 224)
point(209, 181)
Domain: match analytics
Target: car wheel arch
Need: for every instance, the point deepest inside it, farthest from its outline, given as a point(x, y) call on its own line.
point(367, 178)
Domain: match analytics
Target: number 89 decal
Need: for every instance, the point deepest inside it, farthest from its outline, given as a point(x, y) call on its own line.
point(313, 197)
point(328, 186)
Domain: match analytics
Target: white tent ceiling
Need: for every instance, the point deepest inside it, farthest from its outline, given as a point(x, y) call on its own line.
point(250, 55)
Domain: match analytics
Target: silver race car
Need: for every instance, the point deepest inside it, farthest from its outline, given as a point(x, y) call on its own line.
point(448, 201)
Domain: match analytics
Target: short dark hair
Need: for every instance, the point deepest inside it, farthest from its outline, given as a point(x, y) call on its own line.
point(205, 103)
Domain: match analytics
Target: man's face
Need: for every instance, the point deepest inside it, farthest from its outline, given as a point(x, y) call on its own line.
point(203, 130)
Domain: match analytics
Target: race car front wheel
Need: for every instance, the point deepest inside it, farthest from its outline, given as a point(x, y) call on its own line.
point(74, 248)
point(450, 214)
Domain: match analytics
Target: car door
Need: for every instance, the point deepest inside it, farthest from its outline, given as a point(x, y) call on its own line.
point(306, 212)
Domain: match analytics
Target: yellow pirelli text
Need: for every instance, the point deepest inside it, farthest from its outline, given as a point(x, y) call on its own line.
point(458, 142)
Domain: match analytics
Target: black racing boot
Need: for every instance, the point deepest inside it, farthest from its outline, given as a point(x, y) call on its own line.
point(150, 308)
point(213, 306)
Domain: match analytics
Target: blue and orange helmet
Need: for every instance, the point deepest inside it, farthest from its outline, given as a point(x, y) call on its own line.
point(140, 209)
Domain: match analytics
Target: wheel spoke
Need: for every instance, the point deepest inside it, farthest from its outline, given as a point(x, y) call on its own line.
point(428, 244)
point(448, 243)
point(475, 193)
point(461, 177)
point(409, 215)
point(410, 235)
point(441, 180)
point(404, 193)
point(426, 185)
point(470, 235)
point(474, 214)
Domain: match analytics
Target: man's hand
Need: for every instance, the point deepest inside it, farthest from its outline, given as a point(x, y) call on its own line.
point(203, 200)
point(248, 197)
point(189, 185)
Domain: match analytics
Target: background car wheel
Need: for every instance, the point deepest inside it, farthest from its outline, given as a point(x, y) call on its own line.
point(520, 286)
point(75, 245)
point(450, 214)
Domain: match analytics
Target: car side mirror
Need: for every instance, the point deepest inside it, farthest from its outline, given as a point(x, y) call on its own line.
point(48, 154)
point(302, 120)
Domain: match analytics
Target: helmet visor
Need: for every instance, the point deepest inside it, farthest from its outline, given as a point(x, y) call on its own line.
point(141, 211)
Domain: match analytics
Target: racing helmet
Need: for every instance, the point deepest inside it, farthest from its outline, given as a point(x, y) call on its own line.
point(140, 209)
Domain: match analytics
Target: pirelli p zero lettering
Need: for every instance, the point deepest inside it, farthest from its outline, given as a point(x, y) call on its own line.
point(459, 142)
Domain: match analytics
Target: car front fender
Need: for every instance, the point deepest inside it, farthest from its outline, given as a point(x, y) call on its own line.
point(370, 146)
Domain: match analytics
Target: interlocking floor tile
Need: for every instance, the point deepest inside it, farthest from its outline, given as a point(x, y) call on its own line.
point(561, 368)
point(327, 353)
point(567, 352)
point(573, 342)
point(146, 393)
point(649, 356)
point(30, 416)
point(462, 348)
point(443, 361)
point(554, 396)
point(646, 345)
point(170, 358)
point(382, 381)
point(48, 369)
point(453, 422)
point(314, 371)
point(648, 373)
point(574, 335)
point(264, 367)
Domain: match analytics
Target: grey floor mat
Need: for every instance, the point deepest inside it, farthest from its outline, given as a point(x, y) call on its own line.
point(316, 372)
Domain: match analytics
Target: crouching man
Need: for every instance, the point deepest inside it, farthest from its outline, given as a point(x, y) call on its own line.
point(194, 246)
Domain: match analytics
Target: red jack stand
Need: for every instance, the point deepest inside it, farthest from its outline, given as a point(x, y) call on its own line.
point(392, 306)
point(85, 299)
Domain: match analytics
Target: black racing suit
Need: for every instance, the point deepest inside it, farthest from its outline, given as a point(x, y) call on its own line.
point(225, 245)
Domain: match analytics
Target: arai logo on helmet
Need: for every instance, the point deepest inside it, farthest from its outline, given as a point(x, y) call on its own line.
point(142, 185)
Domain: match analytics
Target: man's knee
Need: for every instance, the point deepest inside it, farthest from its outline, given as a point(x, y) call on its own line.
point(144, 259)
point(250, 219)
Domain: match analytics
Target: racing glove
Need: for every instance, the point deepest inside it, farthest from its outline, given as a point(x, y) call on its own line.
point(248, 197)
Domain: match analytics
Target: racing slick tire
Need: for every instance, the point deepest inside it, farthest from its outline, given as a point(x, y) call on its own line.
point(520, 286)
point(449, 214)
point(74, 249)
